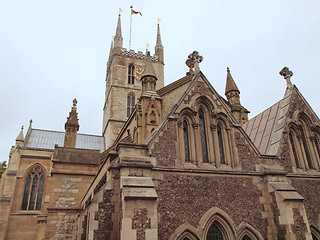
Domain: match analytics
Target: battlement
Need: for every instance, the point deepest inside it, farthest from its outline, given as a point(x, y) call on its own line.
point(139, 54)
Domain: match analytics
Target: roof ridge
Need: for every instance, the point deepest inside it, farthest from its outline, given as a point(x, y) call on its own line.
point(44, 130)
point(174, 85)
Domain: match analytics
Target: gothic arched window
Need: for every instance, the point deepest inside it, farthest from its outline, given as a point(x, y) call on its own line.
point(220, 140)
point(131, 74)
point(214, 233)
point(203, 136)
point(305, 147)
point(33, 190)
point(294, 150)
point(186, 140)
point(130, 103)
point(316, 141)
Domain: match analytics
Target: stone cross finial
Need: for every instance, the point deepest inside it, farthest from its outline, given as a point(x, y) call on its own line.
point(193, 61)
point(75, 103)
point(287, 74)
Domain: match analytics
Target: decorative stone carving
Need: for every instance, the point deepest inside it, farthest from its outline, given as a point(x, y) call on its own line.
point(193, 61)
point(287, 74)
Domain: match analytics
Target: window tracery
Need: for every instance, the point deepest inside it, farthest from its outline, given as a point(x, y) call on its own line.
point(214, 233)
point(220, 140)
point(203, 136)
point(131, 74)
point(186, 140)
point(33, 190)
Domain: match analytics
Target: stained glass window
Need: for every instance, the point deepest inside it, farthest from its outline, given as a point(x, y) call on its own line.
point(306, 150)
point(33, 190)
point(214, 233)
point(186, 141)
point(131, 74)
point(293, 146)
point(203, 136)
point(317, 146)
point(220, 140)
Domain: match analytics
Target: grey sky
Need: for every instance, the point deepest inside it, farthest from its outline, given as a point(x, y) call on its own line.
point(54, 51)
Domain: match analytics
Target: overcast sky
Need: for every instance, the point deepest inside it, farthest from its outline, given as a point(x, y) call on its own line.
point(52, 51)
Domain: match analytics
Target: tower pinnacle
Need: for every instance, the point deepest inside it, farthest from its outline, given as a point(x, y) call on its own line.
point(159, 47)
point(233, 95)
point(118, 40)
point(230, 84)
point(72, 127)
point(20, 138)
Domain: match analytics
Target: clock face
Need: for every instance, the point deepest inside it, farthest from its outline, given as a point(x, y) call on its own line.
point(137, 73)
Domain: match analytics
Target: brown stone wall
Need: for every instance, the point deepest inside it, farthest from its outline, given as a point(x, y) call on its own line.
point(247, 157)
point(141, 222)
point(185, 199)
point(281, 229)
point(299, 227)
point(166, 144)
point(297, 103)
point(310, 190)
point(104, 217)
point(285, 156)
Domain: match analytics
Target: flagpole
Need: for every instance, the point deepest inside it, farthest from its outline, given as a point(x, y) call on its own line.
point(130, 28)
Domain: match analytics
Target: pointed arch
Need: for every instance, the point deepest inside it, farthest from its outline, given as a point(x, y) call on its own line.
point(225, 154)
point(295, 139)
point(34, 178)
point(203, 135)
point(185, 232)
point(248, 232)
point(315, 233)
point(305, 133)
point(186, 123)
point(216, 221)
point(131, 73)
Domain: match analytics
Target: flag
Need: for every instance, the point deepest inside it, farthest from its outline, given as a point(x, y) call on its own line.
point(134, 12)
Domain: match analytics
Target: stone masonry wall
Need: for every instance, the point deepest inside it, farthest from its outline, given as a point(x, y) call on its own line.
point(247, 157)
point(310, 190)
point(185, 199)
point(166, 144)
point(104, 216)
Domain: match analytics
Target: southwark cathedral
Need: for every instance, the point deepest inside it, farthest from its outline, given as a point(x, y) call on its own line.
point(173, 162)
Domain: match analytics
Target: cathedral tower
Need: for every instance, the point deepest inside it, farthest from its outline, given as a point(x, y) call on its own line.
point(123, 82)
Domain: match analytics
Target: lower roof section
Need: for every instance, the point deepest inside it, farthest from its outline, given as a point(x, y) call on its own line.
point(47, 139)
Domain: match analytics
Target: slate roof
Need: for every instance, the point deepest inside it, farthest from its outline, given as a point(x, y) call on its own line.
point(261, 128)
point(47, 139)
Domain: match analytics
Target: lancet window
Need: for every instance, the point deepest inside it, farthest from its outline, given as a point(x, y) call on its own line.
point(186, 140)
point(130, 103)
point(33, 190)
point(131, 74)
point(306, 149)
point(294, 149)
point(220, 140)
point(203, 136)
